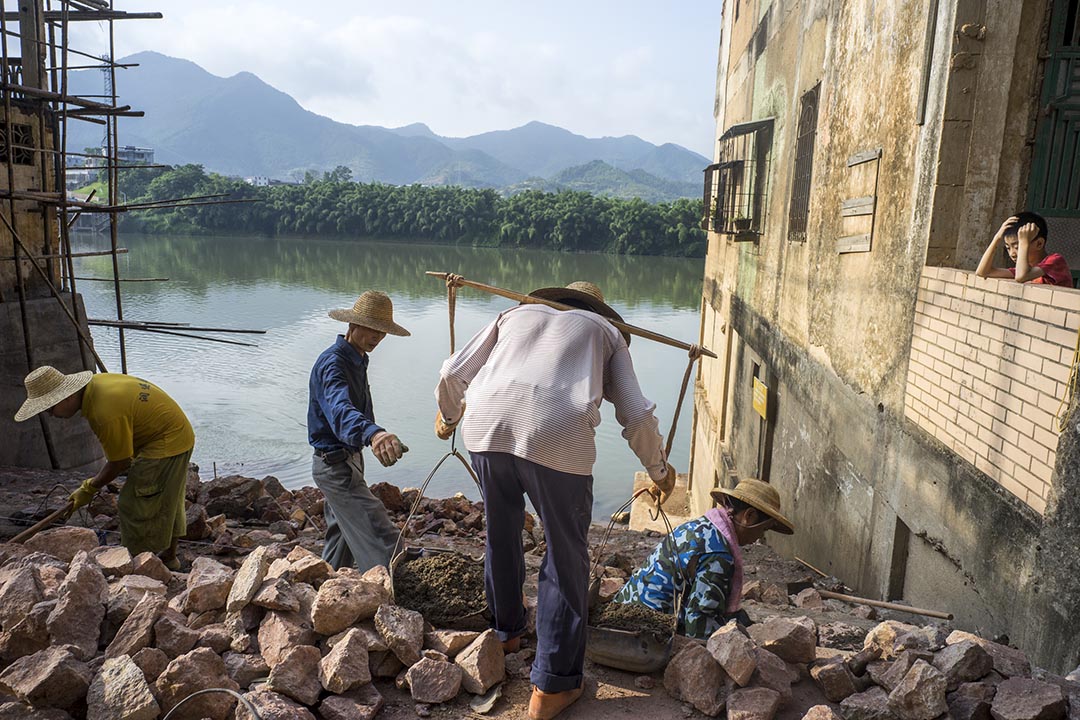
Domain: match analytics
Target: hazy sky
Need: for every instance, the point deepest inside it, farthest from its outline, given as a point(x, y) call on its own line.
point(595, 67)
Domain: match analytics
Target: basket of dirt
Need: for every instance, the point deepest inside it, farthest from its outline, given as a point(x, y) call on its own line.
point(445, 586)
point(630, 637)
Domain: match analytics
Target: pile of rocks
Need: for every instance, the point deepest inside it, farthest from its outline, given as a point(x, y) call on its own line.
point(88, 631)
point(903, 672)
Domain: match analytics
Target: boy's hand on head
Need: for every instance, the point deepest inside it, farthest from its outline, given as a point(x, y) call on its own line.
point(1027, 233)
point(1011, 220)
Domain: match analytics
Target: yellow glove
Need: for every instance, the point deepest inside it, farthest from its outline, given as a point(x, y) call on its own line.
point(443, 429)
point(84, 494)
point(662, 488)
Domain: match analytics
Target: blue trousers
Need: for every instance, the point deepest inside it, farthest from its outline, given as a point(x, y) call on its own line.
point(564, 504)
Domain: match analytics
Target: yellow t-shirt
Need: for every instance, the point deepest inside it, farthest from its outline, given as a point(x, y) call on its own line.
point(132, 418)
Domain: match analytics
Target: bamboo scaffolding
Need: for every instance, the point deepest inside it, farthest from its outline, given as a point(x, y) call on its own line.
point(101, 279)
point(138, 325)
point(161, 331)
point(96, 253)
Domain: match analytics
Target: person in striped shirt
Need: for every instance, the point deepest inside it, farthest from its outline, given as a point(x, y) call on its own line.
point(533, 381)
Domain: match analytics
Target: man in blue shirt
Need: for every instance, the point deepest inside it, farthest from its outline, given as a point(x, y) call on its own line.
point(341, 422)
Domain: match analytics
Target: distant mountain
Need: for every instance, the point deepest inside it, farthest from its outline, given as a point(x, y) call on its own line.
point(599, 178)
point(242, 126)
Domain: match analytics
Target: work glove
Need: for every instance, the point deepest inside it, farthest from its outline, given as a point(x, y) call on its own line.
point(662, 488)
point(387, 448)
point(84, 494)
point(443, 429)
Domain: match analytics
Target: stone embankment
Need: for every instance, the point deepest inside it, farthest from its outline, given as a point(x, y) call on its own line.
point(88, 631)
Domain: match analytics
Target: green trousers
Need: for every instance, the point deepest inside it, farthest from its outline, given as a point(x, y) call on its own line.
point(151, 503)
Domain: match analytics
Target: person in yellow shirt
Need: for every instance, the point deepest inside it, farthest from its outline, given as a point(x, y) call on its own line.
point(141, 430)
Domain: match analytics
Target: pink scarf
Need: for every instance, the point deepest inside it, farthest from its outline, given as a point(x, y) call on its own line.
point(721, 520)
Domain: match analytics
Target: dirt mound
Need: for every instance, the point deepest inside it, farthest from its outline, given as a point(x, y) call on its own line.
point(443, 587)
point(633, 617)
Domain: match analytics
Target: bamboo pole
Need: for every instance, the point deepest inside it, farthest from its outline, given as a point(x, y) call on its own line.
point(885, 605)
point(632, 329)
point(38, 527)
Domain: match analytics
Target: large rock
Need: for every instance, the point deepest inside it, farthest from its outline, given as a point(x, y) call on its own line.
point(172, 635)
point(150, 565)
point(22, 711)
point(277, 594)
point(29, 635)
point(1027, 699)
point(197, 670)
point(76, 619)
point(1008, 661)
point(281, 631)
point(124, 595)
point(342, 602)
point(834, 679)
point(793, 641)
point(19, 594)
point(483, 663)
point(232, 495)
point(208, 585)
point(297, 675)
point(120, 692)
point(272, 706)
point(384, 664)
point(753, 704)
point(884, 637)
point(137, 632)
point(963, 662)
point(114, 560)
point(736, 653)
point(362, 704)
point(249, 578)
point(821, 712)
point(245, 668)
point(215, 636)
point(872, 704)
point(898, 670)
point(921, 694)
point(345, 667)
point(63, 542)
point(152, 662)
point(434, 681)
point(53, 677)
point(772, 672)
point(971, 701)
point(403, 632)
point(307, 567)
point(448, 642)
point(693, 676)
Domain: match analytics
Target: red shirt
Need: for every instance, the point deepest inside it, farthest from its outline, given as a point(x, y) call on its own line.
point(1055, 271)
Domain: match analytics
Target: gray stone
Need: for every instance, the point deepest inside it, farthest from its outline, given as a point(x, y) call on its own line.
point(114, 560)
point(971, 701)
point(249, 578)
point(433, 681)
point(197, 670)
point(272, 706)
point(772, 672)
point(963, 662)
point(362, 704)
point(277, 594)
point(898, 670)
point(384, 664)
point(63, 542)
point(137, 632)
point(297, 675)
point(841, 636)
point(21, 711)
point(53, 677)
point(216, 637)
point(753, 704)
point(834, 679)
point(151, 566)
point(809, 598)
point(872, 704)
point(346, 667)
point(245, 668)
point(230, 495)
point(736, 653)
point(403, 632)
point(789, 640)
point(152, 661)
point(821, 712)
point(342, 602)
point(172, 635)
point(120, 692)
point(773, 594)
point(482, 663)
point(921, 694)
point(19, 594)
point(208, 585)
point(1008, 661)
point(29, 635)
point(1027, 699)
point(281, 631)
point(434, 655)
point(80, 608)
point(693, 676)
point(448, 642)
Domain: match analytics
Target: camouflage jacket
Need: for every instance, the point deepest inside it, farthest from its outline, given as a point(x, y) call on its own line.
point(701, 573)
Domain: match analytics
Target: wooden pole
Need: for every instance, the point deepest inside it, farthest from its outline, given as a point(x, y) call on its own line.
point(886, 605)
point(49, 520)
point(632, 329)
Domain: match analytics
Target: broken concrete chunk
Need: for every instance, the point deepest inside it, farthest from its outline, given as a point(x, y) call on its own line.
point(120, 692)
point(753, 704)
point(53, 677)
point(434, 681)
point(297, 675)
point(790, 640)
point(403, 631)
point(693, 676)
point(249, 578)
point(482, 663)
point(1027, 699)
point(735, 651)
point(346, 667)
point(921, 694)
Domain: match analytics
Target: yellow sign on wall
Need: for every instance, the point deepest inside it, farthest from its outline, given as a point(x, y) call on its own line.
point(761, 398)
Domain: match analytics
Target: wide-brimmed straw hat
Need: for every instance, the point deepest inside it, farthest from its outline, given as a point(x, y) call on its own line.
point(762, 497)
point(373, 310)
point(586, 293)
point(47, 386)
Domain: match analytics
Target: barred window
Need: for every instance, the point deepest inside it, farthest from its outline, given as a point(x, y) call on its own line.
point(22, 143)
point(740, 180)
point(799, 210)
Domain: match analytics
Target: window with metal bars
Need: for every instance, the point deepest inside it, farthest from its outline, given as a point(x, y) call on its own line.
point(22, 143)
point(735, 187)
point(799, 209)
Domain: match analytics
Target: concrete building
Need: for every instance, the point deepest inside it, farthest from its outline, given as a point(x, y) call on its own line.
point(905, 409)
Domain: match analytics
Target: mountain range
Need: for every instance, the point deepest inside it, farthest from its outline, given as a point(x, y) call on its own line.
point(242, 126)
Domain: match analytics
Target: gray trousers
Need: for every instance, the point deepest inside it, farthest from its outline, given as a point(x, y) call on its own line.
point(359, 531)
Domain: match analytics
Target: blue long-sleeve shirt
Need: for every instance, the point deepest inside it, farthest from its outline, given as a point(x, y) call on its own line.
point(339, 400)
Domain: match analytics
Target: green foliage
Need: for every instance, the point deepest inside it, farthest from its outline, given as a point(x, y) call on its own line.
point(334, 206)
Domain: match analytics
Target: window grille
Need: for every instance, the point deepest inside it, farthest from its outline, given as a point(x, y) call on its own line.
point(22, 143)
point(740, 179)
point(799, 210)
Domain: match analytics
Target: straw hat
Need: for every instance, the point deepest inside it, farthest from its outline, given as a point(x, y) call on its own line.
point(47, 386)
point(762, 497)
point(372, 310)
point(584, 292)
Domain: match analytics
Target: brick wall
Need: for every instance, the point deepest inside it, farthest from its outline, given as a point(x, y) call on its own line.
point(989, 363)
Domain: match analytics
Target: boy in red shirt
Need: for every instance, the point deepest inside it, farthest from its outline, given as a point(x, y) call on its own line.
point(1025, 240)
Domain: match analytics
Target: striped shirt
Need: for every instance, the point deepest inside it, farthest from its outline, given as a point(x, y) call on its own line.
point(533, 381)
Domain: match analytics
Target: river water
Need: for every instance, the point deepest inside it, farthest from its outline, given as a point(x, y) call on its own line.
point(248, 405)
